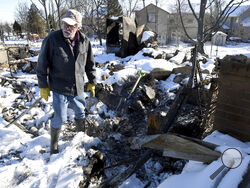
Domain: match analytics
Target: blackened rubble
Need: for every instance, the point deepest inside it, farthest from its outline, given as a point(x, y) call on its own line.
point(17, 58)
point(116, 154)
point(118, 132)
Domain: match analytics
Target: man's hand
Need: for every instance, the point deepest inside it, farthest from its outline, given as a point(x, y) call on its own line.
point(45, 93)
point(91, 88)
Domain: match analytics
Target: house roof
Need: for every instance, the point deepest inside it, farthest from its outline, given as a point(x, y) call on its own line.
point(169, 8)
point(220, 33)
point(151, 4)
point(239, 10)
point(246, 22)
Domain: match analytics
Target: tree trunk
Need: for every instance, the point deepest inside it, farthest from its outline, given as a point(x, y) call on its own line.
point(200, 33)
point(46, 16)
point(100, 39)
point(200, 48)
point(58, 4)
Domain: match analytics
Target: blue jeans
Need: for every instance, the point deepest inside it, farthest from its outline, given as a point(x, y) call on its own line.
point(60, 104)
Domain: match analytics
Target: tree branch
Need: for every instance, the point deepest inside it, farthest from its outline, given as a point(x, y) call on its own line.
point(222, 18)
point(185, 31)
point(192, 9)
point(210, 4)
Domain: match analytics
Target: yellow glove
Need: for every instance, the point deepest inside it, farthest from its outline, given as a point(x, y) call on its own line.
point(91, 88)
point(45, 93)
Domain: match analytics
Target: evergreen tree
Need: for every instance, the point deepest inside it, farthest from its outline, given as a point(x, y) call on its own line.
point(17, 28)
point(113, 8)
point(36, 23)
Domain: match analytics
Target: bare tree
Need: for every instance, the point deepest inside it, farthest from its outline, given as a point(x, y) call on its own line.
point(129, 6)
point(44, 4)
point(94, 16)
point(21, 15)
point(175, 21)
point(76, 4)
point(60, 5)
point(215, 9)
point(204, 34)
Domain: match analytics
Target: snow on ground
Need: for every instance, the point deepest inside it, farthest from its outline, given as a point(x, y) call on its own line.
point(196, 174)
point(25, 161)
point(232, 48)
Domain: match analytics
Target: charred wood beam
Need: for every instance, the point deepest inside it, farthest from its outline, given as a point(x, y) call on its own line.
point(116, 181)
point(4, 79)
point(123, 162)
point(176, 105)
point(182, 95)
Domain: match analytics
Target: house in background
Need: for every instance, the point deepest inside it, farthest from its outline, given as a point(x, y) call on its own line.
point(155, 19)
point(167, 25)
point(190, 24)
point(239, 23)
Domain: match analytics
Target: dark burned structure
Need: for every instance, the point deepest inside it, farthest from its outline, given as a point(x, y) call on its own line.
point(121, 36)
point(232, 109)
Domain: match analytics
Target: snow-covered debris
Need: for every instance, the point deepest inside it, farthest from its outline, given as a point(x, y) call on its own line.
point(178, 59)
point(201, 172)
point(25, 160)
point(147, 35)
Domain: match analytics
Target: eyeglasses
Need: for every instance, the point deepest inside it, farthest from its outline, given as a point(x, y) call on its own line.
point(69, 26)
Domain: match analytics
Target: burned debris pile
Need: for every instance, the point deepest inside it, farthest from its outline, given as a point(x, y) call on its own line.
point(142, 109)
point(125, 117)
point(124, 38)
point(22, 104)
point(18, 57)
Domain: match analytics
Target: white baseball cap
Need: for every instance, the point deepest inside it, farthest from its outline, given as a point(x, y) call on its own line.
point(73, 17)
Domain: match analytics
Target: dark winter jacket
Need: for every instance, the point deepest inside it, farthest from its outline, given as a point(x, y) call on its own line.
point(61, 68)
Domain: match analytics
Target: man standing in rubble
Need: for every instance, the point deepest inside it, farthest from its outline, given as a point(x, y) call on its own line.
point(65, 56)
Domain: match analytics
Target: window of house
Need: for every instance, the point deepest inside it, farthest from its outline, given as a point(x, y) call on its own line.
point(151, 17)
point(172, 21)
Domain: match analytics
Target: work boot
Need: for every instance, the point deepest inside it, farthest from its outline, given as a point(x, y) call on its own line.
point(80, 125)
point(54, 134)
